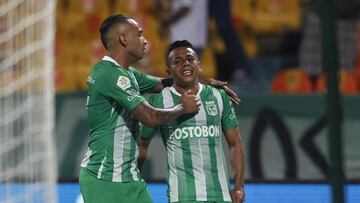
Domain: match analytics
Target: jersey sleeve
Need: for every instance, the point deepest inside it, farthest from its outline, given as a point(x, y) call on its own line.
point(121, 88)
point(228, 117)
point(146, 82)
point(145, 131)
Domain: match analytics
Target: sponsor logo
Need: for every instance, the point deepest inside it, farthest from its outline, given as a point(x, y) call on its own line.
point(123, 82)
point(195, 132)
point(211, 108)
point(90, 80)
point(132, 94)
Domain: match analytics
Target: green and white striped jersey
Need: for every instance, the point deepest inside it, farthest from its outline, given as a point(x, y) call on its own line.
point(197, 168)
point(113, 92)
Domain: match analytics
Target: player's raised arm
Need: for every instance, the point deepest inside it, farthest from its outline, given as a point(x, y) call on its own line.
point(153, 117)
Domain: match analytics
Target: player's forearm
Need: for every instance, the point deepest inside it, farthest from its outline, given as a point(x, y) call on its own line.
point(160, 116)
point(153, 117)
point(143, 149)
point(141, 161)
point(237, 162)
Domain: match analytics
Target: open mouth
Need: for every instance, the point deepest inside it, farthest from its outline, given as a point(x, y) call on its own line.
point(187, 72)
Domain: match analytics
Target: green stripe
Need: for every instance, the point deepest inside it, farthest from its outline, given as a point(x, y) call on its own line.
point(189, 190)
point(187, 183)
point(209, 179)
point(212, 175)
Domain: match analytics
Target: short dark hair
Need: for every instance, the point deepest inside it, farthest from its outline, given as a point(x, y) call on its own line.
point(177, 44)
point(107, 24)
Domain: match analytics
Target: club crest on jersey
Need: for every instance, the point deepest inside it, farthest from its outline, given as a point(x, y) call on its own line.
point(211, 108)
point(123, 82)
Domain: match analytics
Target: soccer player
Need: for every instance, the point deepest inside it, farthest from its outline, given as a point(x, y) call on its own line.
point(197, 169)
point(114, 106)
point(109, 171)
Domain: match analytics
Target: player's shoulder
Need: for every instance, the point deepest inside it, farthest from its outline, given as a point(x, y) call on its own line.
point(106, 69)
point(165, 94)
point(102, 63)
point(213, 90)
point(133, 69)
point(156, 99)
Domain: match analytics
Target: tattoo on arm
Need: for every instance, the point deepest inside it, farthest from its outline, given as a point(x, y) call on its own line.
point(153, 117)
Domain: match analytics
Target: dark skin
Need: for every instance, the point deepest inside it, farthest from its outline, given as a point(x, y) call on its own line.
point(184, 68)
point(126, 45)
point(165, 21)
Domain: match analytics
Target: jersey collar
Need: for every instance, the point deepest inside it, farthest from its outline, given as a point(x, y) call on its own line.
point(108, 58)
point(177, 93)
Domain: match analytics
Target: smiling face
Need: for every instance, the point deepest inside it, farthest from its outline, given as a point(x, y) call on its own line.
point(184, 67)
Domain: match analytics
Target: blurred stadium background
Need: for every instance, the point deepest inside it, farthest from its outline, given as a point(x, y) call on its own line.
point(48, 48)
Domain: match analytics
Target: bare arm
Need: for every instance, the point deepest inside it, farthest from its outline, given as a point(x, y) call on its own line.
point(143, 149)
point(237, 161)
point(153, 117)
point(223, 85)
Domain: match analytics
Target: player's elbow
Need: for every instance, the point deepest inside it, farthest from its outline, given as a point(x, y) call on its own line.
point(151, 122)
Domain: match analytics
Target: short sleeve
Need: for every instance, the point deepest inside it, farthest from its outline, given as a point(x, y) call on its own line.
point(146, 82)
point(228, 117)
point(120, 88)
point(145, 131)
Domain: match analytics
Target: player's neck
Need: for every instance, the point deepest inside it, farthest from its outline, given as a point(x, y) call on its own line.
point(120, 59)
point(182, 88)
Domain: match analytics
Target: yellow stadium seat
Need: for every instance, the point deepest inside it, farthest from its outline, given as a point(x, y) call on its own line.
point(270, 16)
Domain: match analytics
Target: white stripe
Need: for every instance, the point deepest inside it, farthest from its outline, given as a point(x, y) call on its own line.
point(222, 168)
point(167, 98)
point(101, 167)
point(118, 150)
point(173, 177)
point(108, 58)
point(223, 178)
point(178, 94)
point(112, 111)
point(134, 170)
point(196, 154)
point(86, 158)
point(219, 100)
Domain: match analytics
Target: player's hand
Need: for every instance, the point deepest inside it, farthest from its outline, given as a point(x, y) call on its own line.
point(237, 194)
point(190, 103)
point(223, 85)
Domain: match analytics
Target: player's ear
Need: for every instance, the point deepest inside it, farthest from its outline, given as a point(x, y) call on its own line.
point(199, 65)
point(122, 39)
